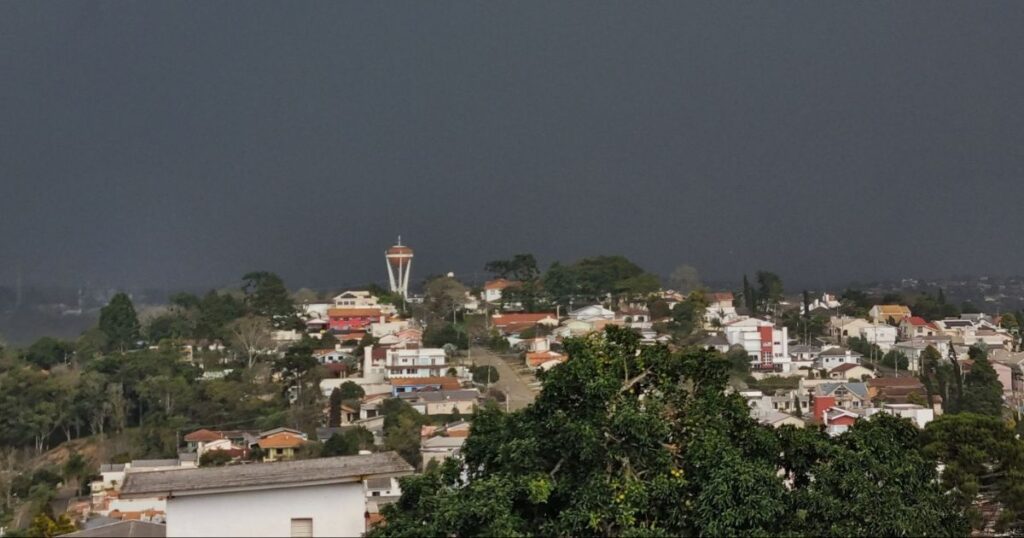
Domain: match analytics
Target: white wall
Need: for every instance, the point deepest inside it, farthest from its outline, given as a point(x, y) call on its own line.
point(336, 510)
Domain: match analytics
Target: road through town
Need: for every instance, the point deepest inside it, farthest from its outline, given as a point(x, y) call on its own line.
point(516, 386)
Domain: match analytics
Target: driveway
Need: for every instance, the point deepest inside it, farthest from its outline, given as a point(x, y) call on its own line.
point(516, 386)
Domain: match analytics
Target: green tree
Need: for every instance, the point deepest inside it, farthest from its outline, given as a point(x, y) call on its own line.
point(215, 458)
point(1009, 321)
point(521, 267)
point(351, 391)
point(982, 458)
point(685, 279)
point(625, 440)
point(76, 470)
point(267, 296)
point(443, 297)
point(983, 392)
point(402, 429)
point(739, 360)
point(769, 290)
point(441, 333)
point(940, 378)
point(297, 362)
point(43, 526)
point(348, 443)
point(592, 279)
point(749, 296)
point(119, 323)
point(895, 358)
point(334, 409)
point(688, 316)
point(48, 352)
point(485, 374)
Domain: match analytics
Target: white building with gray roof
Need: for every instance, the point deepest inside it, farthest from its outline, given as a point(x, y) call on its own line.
point(317, 497)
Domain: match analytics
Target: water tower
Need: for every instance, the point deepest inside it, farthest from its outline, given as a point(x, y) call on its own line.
point(399, 258)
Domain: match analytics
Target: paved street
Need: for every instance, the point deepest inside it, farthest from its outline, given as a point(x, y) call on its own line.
point(515, 385)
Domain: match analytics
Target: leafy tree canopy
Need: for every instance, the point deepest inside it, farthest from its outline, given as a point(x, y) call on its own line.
point(348, 443)
point(267, 296)
point(48, 352)
point(521, 267)
point(636, 441)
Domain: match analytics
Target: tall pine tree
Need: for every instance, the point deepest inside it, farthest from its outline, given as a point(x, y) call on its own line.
point(119, 323)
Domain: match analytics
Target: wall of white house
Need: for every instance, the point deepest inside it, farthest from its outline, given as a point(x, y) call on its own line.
point(336, 510)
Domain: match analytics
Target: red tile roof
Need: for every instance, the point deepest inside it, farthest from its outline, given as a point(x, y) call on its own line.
point(203, 436)
point(720, 297)
point(282, 440)
point(354, 312)
point(446, 383)
point(539, 358)
point(500, 284)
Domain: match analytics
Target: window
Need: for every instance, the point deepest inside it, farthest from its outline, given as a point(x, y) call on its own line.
point(302, 528)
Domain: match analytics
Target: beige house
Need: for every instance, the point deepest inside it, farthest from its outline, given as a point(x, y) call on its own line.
point(443, 402)
point(882, 313)
point(850, 371)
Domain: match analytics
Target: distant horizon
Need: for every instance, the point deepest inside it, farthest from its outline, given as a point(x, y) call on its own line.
point(479, 277)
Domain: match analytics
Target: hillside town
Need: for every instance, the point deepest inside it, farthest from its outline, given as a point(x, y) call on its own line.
point(265, 413)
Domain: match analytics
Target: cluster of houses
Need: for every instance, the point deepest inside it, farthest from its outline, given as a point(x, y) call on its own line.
point(267, 491)
point(836, 385)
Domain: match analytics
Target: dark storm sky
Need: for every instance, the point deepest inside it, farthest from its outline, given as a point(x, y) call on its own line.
point(173, 144)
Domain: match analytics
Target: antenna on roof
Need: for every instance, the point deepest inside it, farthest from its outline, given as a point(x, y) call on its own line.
point(399, 239)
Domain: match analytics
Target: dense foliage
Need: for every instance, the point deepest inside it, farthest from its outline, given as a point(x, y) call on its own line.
point(640, 441)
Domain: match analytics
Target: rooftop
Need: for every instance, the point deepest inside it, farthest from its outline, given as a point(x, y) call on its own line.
point(136, 464)
point(125, 529)
point(203, 436)
point(354, 312)
point(446, 383)
point(254, 476)
point(442, 395)
point(839, 352)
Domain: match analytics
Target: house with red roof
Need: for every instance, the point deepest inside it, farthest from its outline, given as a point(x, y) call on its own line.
point(917, 327)
point(850, 370)
point(347, 320)
point(519, 322)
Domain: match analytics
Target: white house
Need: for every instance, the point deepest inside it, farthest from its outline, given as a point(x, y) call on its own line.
point(439, 448)
point(493, 289)
point(362, 299)
point(397, 362)
point(592, 313)
point(316, 497)
point(827, 301)
point(767, 346)
point(832, 357)
point(917, 414)
point(843, 327)
point(884, 336)
point(720, 309)
point(914, 348)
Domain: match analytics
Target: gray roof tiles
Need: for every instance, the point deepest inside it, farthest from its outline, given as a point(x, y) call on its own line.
point(442, 395)
point(136, 464)
point(126, 529)
point(262, 475)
